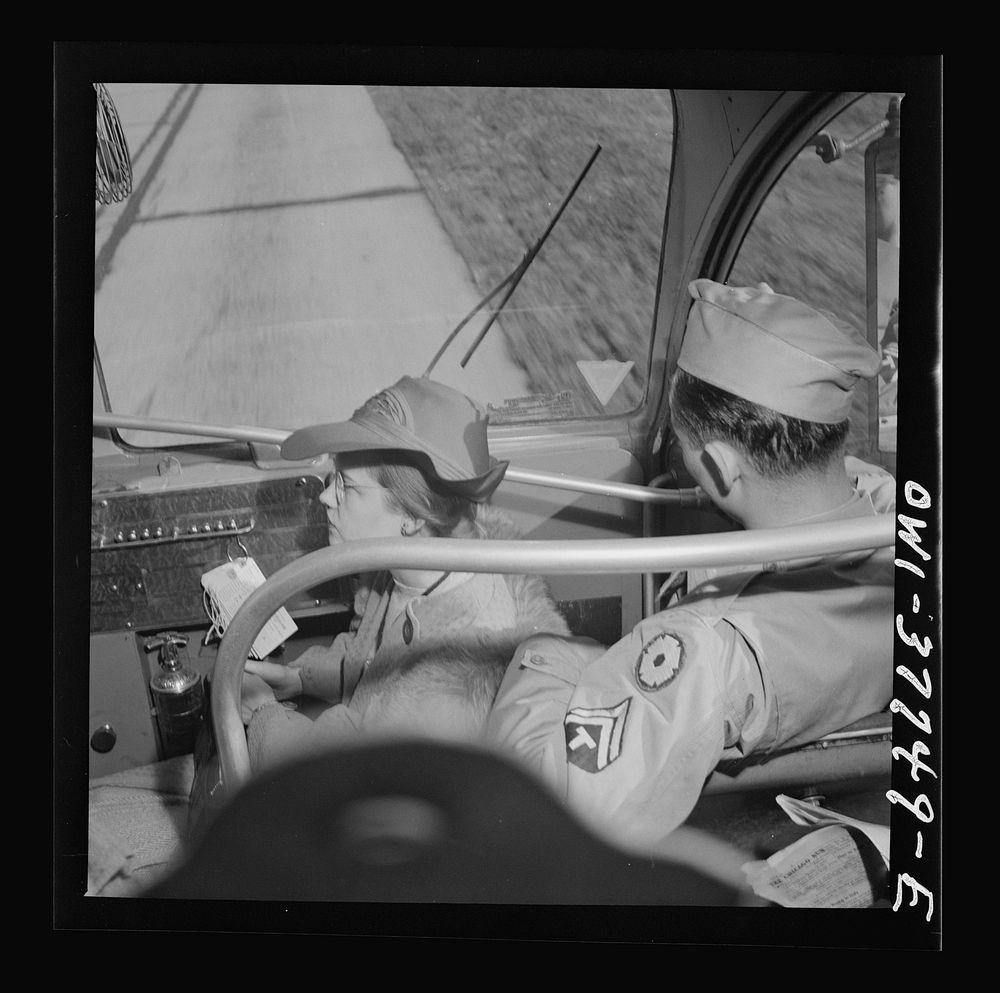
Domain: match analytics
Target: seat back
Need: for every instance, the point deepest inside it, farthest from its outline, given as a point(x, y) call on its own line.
point(861, 751)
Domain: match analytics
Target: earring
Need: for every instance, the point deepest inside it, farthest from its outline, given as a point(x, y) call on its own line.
point(403, 530)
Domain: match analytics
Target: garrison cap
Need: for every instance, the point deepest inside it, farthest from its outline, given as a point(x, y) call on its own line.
point(444, 427)
point(774, 350)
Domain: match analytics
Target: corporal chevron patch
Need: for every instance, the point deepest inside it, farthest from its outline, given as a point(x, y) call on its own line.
point(594, 735)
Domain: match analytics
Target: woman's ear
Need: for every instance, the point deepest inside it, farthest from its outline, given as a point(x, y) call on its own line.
point(411, 526)
point(724, 465)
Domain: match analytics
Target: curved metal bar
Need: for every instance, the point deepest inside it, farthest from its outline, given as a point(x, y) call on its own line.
point(626, 491)
point(629, 555)
point(272, 436)
point(648, 578)
point(264, 436)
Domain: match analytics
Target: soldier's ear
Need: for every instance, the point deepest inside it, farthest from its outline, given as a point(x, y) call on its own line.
point(724, 465)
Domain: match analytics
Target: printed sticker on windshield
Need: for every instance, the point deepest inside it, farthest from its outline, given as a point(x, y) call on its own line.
point(537, 406)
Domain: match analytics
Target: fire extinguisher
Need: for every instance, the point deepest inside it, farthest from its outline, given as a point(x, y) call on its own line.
point(178, 695)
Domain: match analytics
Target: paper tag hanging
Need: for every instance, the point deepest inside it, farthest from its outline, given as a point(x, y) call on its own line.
point(227, 586)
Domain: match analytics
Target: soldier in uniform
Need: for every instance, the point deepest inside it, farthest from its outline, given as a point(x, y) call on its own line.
point(750, 660)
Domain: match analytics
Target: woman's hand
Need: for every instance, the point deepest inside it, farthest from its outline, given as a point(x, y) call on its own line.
point(282, 679)
point(255, 694)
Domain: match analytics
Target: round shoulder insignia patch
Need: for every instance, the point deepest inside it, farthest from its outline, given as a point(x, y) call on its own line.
point(659, 661)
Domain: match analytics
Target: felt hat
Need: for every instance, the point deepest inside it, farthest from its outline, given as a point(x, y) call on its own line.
point(774, 350)
point(440, 424)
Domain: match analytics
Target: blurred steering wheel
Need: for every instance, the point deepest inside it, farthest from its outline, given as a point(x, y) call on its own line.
point(626, 556)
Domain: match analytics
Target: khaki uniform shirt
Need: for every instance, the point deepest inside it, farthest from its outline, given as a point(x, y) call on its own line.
point(744, 662)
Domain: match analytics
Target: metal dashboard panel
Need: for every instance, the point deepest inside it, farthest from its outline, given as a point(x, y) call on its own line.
point(150, 550)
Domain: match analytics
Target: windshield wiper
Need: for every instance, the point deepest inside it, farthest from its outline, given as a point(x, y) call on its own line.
point(511, 281)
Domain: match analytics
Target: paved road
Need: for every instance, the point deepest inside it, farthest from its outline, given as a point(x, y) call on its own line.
point(276, 263)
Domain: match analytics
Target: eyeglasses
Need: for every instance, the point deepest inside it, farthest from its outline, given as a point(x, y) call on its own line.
point(335, 481)
point(340, 487)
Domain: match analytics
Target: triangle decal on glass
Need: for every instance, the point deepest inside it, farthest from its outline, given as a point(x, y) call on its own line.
point(604, 377)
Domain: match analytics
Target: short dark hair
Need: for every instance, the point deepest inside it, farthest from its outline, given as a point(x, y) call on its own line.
point(777, 445)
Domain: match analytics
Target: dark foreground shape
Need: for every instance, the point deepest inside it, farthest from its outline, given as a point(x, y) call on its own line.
point(421, 822)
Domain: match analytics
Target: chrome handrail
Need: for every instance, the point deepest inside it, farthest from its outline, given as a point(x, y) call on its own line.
point(631, 555)
point(693, 497)
point(231, 432)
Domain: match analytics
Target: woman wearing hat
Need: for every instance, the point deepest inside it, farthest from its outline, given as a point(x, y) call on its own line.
point(425, 653)
point(427, 650)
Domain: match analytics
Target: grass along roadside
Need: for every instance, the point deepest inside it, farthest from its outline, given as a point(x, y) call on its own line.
point(497, 162)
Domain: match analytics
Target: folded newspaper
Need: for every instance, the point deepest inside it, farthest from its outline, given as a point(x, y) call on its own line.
point(842, 863)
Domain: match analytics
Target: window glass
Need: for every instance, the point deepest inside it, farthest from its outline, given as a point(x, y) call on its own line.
point(808, 241)
point(287, 251)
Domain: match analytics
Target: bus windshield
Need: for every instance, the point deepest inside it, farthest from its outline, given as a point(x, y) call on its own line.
point(289, 250)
